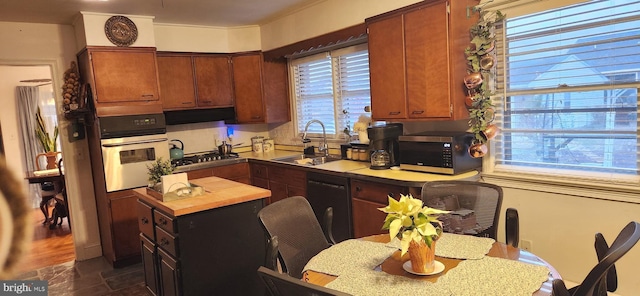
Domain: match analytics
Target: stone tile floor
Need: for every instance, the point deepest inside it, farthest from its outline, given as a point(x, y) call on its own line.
point(90, 277)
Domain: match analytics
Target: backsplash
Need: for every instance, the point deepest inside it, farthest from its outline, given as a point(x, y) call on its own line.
point(206, 136)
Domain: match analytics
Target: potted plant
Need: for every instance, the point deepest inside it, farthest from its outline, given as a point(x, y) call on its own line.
point(48, 143)
point(158, 169)
point(417, 227)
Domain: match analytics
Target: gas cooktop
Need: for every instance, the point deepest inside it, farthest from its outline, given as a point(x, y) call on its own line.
point(205, 157)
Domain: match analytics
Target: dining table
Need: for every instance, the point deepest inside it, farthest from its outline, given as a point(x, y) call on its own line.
point(51, 175)
point(390, 271)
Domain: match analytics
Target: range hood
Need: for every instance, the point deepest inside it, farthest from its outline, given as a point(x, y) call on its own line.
point(200, 115)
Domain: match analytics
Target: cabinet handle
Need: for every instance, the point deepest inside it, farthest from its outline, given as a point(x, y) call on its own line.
point(186, 103)
point(417, 112)
point(394, 113)
point(145, 220)
point(391, 194)
point(256, 117)
point(358, 188)
point(162, 221)
point(164, 241)
point(147, 95)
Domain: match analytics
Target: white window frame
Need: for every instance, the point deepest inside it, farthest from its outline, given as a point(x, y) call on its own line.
point(336, 134)
point(594, 185)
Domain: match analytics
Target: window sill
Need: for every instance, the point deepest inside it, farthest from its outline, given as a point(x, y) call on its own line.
point(614, 192)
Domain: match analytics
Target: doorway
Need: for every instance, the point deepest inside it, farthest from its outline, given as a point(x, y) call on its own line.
point(50, 246)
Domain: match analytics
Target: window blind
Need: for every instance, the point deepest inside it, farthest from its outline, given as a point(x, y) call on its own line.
point(568, 82)
point(332, 87)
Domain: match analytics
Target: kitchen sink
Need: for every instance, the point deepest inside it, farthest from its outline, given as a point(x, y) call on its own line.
point(305, 159)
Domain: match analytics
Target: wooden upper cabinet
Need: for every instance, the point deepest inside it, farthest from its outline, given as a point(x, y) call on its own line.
point(260, 88)
point(417, 61)
point(124, 81)
point(213, 81)
point(387, 68)
point(176, 81)
point(427, 62)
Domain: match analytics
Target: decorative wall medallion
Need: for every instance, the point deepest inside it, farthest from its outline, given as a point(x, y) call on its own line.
point(120, 30)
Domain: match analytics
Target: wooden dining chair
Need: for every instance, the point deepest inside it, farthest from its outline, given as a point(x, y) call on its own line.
point(595, 283)
point(297, 232)
point(279, 284)
point(474, 206)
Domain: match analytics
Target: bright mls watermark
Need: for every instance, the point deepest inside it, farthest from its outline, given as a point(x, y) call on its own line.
point(23, 288)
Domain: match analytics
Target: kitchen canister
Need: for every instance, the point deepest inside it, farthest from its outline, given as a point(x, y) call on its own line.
point(256, 143)
point(268, 145)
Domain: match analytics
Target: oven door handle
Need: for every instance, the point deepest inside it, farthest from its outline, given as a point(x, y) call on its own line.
point(134, 143)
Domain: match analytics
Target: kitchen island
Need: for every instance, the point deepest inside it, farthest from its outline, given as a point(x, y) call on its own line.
point(203, 245)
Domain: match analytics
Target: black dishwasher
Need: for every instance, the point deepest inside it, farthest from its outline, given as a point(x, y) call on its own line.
point(323, 191)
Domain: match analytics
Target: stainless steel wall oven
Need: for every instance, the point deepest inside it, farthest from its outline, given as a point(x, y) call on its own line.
point(129, 144)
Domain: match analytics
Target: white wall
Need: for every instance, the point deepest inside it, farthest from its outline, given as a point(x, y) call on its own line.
point(55, 46)
point(322, 17)
point(9, 115)
point(92, 25)
point(562, 228)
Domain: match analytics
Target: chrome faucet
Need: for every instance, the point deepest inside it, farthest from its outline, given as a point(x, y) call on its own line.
point(324, 148)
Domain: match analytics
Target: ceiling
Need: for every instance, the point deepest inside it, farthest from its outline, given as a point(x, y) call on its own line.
point(223, 13)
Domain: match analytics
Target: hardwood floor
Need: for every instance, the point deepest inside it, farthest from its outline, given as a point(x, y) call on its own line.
point(49, 246)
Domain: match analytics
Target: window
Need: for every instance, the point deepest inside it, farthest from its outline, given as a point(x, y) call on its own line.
point(569, 81)
point(332, 87)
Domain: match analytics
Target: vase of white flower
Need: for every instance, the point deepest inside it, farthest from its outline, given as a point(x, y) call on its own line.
point(417, 227)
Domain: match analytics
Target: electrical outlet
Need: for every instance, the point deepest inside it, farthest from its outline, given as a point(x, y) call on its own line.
point(526, 245)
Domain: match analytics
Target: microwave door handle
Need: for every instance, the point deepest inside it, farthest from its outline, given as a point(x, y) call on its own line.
point(134, 143)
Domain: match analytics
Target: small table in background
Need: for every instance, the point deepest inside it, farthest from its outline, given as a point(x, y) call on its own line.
point(55, 178)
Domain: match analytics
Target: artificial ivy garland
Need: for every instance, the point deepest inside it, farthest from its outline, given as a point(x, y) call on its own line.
point(480, 61)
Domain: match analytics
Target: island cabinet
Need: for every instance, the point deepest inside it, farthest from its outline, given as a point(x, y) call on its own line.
point(260, 88)
point(282, 181)
point(123, 81)
point(417, 62)
point(366, 198)
point(205, 245)
point(190, 81)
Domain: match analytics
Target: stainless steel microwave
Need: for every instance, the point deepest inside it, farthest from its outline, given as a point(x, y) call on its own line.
point(437, 152)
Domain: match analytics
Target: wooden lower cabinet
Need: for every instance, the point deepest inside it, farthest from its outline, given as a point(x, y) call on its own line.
point(366, 198)
point(238, 172)
point(282, 181)
point(211, 252)
point(123, 249)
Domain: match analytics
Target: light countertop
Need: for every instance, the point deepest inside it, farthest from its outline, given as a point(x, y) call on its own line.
point(219, 192)
point(360, 169)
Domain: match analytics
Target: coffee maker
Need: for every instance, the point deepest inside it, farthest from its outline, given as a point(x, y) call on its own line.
point(384, 145)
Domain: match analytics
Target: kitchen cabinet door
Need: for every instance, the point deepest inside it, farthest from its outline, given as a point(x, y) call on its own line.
point(427, 62)
point(367, 219)
point(149, 253)
point(261, 89)
point(175, 73)
point(417, 62)
point(124, 224)
point(238, 172)
point(247, 75)
point(387, 68)
point(213, 81)
point(366, 198)
point(124, 81)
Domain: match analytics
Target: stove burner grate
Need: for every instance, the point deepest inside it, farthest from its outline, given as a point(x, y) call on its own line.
point(204, 157)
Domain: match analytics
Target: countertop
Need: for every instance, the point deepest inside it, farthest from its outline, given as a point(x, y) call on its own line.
point(361, 170)
point(219, 192)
